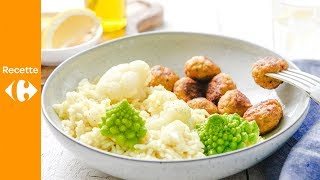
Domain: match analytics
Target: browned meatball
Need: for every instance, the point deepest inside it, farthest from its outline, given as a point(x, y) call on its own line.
point(268, 65)
point(187, 89)
point(218, 86)
point(201, 68)
point(203, 103)
point(267, 114)
point(164, 76)
point(233, 101)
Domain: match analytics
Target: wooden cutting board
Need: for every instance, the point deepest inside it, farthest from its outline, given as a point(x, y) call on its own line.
point(141, 15)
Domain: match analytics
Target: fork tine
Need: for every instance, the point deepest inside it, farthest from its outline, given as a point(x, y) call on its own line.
point(303, 79)
point(315, 78)
point(289, 80)
point(295, 78)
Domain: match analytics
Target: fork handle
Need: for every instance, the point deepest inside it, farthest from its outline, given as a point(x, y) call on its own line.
point(315, 94)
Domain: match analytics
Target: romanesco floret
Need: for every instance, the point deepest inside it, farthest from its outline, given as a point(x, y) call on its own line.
point(227, 132)
point(123, 123)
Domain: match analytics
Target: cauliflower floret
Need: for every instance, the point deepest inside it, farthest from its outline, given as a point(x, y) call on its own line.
point(158, 95)
point(178, 136)
point(144, 114)
point(125, 81)
point(173, 133)
point(198, 116)
point(172, 110)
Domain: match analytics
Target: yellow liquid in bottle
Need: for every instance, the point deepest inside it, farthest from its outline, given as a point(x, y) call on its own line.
point(112, 13)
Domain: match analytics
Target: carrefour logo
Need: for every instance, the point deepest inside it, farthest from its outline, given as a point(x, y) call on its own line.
point(21, 90)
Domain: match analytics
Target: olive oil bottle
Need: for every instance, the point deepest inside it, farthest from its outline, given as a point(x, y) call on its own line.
point(112, 13)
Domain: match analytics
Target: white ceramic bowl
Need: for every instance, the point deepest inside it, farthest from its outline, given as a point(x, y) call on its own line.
point(53, 57)
point(172, 49)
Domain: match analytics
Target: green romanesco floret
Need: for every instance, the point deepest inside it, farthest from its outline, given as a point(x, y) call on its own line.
point(227, 132)
point(123, 124)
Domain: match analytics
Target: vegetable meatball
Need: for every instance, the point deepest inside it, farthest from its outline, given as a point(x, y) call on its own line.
point(268, 65)
point(267, 114)
point(233, 101)
point(218, 86)
point(187, 89)
point(201, 68)
point(203, 103)
point(164, 76)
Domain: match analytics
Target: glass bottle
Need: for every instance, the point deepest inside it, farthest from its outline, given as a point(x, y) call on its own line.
point(112, 13)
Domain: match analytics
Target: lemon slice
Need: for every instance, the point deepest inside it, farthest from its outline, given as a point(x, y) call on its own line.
point(70, 28)
point(46, 19)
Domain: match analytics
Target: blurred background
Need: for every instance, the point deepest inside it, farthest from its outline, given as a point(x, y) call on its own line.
point(290, 27)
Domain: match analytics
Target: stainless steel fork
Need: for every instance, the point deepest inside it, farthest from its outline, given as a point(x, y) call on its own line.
point(302, 80)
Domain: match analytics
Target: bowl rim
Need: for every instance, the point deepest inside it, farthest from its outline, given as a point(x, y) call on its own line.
point(95, 38)
point(113, 155)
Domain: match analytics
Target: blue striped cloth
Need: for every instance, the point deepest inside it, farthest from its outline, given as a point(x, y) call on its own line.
point(299, 158)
